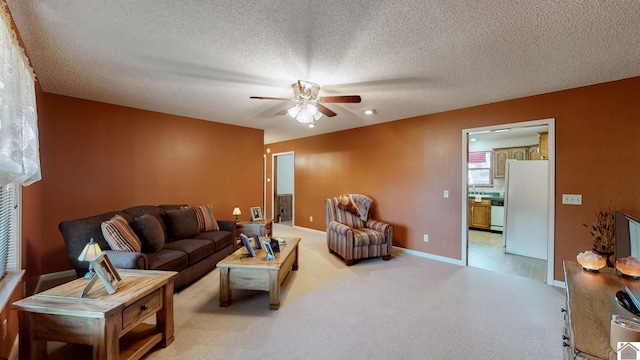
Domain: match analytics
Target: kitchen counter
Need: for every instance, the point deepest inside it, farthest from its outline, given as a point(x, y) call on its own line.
point(492, 196)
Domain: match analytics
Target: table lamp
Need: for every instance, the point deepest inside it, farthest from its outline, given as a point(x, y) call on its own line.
point(90, 252)
point(236, 212)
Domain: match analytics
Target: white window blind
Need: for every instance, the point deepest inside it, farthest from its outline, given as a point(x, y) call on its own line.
point(9, 229)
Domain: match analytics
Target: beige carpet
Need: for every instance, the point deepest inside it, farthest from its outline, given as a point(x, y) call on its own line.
point(405, 308)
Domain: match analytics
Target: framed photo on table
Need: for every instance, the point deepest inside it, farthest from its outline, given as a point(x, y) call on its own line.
point(106, 272)
point(247, 244)
point(268, 250)
point(256, 213)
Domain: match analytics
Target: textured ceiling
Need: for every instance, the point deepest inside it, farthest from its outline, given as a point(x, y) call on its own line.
point(204, 59)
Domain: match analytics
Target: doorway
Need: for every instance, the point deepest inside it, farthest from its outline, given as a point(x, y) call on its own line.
point(484, 247)
point(283, 188)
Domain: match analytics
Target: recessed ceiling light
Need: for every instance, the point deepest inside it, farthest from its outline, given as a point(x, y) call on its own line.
point(501, 130)
point(370, 111)
point(473, 139)
point(479, 132)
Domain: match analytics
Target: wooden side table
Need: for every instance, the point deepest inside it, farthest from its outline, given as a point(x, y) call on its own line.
point(250, 228)
point(111, 324)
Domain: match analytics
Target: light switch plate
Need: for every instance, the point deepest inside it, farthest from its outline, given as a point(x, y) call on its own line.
point(572, 199)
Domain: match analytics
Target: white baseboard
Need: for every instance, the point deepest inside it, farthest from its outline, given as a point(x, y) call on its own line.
point(430, 256)
point(47, 281)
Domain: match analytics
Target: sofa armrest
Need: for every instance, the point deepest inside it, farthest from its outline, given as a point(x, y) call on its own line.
point(127, 259)
point(384, 228)
point(377, 225)
point(227, 225)
point(339, 228)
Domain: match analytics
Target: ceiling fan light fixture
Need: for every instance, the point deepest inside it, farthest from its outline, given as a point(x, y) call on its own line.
point(304, 117)
point(294, 111)
point(311, 109)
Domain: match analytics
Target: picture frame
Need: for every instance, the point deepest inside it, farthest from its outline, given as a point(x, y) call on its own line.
point(256, 240)
point(268, 250)
point(247, 244)
point(256, 213)
point(106, 272)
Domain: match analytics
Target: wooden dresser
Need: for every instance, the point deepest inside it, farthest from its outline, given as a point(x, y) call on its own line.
point(590, 304)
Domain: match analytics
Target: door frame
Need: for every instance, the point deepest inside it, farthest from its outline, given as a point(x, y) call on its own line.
point(274, 175)
point(550, 122)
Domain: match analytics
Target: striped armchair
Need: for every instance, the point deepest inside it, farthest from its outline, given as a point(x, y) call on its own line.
point(352, 238)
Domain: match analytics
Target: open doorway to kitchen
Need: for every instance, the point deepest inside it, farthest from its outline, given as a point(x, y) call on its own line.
point(497, 234)
point(283, 188)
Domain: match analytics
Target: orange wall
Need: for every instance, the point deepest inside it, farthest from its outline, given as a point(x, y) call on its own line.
point(405, 166)
point(97, 157)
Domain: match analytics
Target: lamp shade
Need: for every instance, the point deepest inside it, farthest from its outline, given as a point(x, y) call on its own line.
point(236, 211)
point(90, 251)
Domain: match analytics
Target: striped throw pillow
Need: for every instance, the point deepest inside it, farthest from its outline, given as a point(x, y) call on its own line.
point(206, 220)
point(120, 236)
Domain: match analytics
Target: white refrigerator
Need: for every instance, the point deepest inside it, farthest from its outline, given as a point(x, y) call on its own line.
point(525, 212)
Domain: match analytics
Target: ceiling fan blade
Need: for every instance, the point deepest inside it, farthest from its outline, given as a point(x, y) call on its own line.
point(341, 99)
point(324, 110)
point(267, 98)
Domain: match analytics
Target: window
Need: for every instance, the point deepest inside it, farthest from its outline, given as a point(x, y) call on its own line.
point(480, 168)
point(9, 229)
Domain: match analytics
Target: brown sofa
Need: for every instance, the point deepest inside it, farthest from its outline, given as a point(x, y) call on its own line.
point(177, 247)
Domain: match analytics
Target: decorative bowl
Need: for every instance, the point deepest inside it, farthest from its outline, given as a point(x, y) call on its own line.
point(591, 261)
point(629, 266)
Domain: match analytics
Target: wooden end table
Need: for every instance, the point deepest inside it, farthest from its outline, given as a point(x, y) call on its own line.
point(250, 228)
point(241, 271)
point(111, 324)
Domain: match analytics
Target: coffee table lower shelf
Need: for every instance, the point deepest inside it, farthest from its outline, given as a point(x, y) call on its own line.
point(134, 345)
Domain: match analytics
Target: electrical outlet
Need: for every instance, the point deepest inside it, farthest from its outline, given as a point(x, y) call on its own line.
point(310, 218)
point(572, 199)
point(446, 194)
point(426, 238)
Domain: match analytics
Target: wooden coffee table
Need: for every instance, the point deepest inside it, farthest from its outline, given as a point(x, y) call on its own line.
point(111, 324)
point(243, 272)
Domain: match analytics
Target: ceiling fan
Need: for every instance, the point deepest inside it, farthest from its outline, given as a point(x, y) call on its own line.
point(308, 106)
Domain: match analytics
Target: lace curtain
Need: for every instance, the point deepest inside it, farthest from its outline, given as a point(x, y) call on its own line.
point(19, 151)
point(19, 154)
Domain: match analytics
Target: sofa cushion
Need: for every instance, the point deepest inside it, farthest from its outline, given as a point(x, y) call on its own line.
point(119, 235)
point(155, 211)
point(166, 259)
point(367, 237)
point(196, 249)
point(150, 233)
point(206, 220)
point(181, 224)
point(221, 239)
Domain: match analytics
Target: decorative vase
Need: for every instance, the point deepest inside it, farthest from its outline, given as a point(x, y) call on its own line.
point(606, 256)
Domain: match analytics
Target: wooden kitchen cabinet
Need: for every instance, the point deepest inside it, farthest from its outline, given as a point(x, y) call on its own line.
point(501, 155)
point(534, 153)
point(480, 214)
point(544, 144)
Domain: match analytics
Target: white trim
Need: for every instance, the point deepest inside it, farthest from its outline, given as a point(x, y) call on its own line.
point(8, 285)
point(273, 190)
point(430, 256)
point(550, 122)
point(317, 232)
